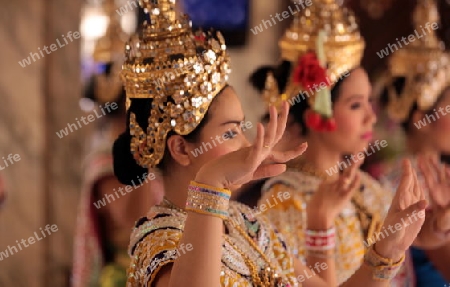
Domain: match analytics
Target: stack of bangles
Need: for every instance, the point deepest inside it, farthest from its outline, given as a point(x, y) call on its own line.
point(208, 200)
point(320, 243)
point(383, 269)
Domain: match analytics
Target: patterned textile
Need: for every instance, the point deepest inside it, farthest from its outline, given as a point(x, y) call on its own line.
point(356, 224)
point(155, 243)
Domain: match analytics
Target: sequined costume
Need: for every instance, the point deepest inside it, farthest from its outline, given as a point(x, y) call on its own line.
point(155, 243)
point(354, 226)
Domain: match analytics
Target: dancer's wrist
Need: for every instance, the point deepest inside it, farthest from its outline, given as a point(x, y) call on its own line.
point(209, 180)
point(386, 251)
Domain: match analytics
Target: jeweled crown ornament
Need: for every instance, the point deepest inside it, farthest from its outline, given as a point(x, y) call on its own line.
point(323, 44)
point(424, 64)
point(109, 49)
point(181, 71)
point(343, 45)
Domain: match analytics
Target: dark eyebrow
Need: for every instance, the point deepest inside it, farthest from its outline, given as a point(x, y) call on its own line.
point(353, 97)
point(233, 122)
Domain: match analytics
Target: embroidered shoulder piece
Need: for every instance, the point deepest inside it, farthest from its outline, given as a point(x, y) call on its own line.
point(154, 243)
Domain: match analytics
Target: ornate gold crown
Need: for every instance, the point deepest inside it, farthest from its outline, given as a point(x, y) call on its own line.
point(180, 71)
point(109, 49)
point(423, 63)
point(343, 44)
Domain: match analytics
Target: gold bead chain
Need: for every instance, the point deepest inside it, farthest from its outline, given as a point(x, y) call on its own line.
point(268, 274)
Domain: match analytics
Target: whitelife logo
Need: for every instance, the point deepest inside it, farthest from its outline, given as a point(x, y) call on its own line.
point(430, 118)
point(35, 56)
point(90, 118)
point(411, 38)
point(361, 155)
point(227, 136)
point(9, 158)
point(285, 14)
point(398, 226)
point(11, 250)
point(123, 191)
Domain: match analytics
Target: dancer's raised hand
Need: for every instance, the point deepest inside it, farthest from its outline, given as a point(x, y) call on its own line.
point(332, 196)
point(405, 216)
point(437, 183)
point(253, 162)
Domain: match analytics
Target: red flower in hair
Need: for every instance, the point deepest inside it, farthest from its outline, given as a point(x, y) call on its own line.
point(200, 37)
point(309, 71)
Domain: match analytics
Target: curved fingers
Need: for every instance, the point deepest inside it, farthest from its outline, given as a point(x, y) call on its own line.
point(284, 156)
point(269, 138)
point(425, 168)
point(347, 177)
point(417, 192)
point(268, 170)
point(353, 186)
point(257, 148)
point(282, 120)
point(404, 187)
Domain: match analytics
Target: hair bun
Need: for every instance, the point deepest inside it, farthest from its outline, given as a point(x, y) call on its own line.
point(125, 167)
point(258, 78)
point(281, 73)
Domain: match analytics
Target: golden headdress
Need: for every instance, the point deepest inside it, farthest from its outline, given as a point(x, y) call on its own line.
point(343, 45)
point(180, 71)
point(423, 63)
point(109, 49)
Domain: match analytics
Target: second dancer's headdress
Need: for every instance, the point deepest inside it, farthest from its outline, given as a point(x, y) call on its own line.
point(323, 44)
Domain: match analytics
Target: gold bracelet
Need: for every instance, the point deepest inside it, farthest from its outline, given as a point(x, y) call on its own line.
point(382, 268)
point(208, 200)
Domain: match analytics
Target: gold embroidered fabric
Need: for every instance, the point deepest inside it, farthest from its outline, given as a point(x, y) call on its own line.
point(155, 244)
point(354, 225)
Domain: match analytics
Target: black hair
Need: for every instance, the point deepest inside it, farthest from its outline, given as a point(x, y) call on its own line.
point(90, 93)
point(281, 74)
point(445, 158)
point(126, 168)
point(399, 85)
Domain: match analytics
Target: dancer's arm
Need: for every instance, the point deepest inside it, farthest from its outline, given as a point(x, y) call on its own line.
point(202, 265)
point(409, 199)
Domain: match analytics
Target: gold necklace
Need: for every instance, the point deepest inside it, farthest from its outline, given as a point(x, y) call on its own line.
point(299, 164)
point(169, 204)
point(267, 277)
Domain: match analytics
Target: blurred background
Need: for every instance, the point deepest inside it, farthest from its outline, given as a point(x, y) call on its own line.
point(40, 99)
